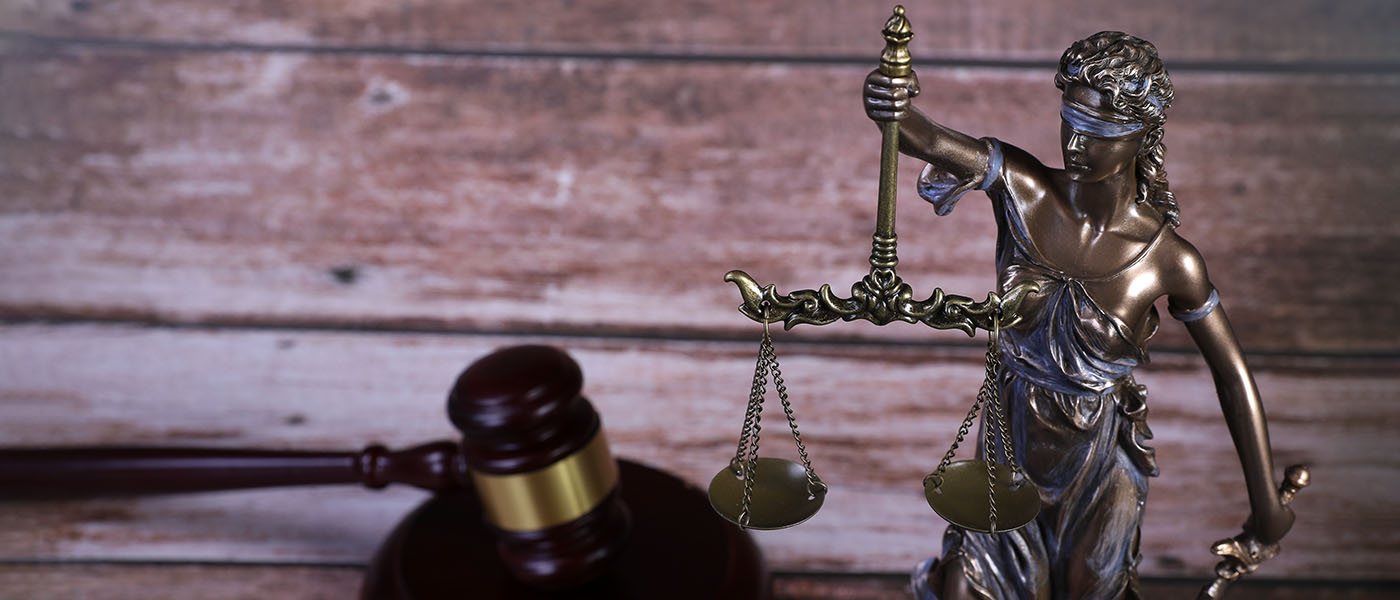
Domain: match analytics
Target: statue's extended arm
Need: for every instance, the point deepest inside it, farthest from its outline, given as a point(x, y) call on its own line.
point(1270, 518)
point(1244, 416)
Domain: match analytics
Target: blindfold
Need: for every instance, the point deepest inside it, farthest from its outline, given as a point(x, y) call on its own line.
point(1090, 125)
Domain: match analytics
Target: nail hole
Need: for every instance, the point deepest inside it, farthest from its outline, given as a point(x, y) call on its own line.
point(345, 274)
point(381, 97)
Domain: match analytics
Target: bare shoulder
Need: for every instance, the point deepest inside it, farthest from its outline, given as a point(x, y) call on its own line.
point(1025, 176)
point(1183, 272)
point(1021, 168)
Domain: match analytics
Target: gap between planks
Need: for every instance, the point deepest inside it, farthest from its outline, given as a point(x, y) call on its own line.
point(1305, 67)
point(1281, 31)
point(805, 339)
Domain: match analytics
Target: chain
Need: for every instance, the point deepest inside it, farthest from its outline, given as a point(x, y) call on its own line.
point(937, 476)
point(756, 391)
point(1008, 449)
point(994, 426)
point(814, 483)
point(747, 455)
point(750, 465)
point(745, 461)
point(991, 419)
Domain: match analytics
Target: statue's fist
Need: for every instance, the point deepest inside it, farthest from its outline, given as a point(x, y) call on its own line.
point(888, 98)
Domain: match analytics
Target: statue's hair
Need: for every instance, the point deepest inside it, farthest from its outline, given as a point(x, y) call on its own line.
point(1130, 73)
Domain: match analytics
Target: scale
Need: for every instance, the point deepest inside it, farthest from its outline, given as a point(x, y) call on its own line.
point(979, 495)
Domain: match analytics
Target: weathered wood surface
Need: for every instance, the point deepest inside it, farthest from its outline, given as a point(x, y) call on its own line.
point(593, 168)
point(205, 582)
point(1279, 32)
point(263, 582)
point(609, 196)
point(673, 404)
point(896, 587)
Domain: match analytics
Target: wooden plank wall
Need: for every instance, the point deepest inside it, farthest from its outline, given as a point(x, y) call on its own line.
point(246, 223)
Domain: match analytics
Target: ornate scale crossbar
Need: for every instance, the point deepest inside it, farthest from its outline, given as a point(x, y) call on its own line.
point(980, 495)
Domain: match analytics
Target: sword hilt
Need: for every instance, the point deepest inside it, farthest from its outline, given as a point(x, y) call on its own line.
point(1295, 478)
point(1243, 553)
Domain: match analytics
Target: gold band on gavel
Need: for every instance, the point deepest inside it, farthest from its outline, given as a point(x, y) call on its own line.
point(553, 495)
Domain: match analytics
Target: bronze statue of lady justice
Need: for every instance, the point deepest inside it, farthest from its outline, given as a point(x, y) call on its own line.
point(1099, 239)
point(1083, 253)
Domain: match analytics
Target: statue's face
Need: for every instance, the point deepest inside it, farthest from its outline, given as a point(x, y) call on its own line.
point(1094, 148)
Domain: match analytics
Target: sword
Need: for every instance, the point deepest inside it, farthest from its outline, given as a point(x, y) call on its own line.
point(1244, 553)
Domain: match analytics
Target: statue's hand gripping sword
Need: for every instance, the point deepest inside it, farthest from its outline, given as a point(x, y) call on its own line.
point(881, 297)
point(1244, 553)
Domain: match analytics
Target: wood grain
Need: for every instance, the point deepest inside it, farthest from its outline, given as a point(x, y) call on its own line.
point(265, 582)
point(675, 405)
point(1279, 32)
point(896, 587)
point(206, 582)
point(497, 194)
point(582, 173)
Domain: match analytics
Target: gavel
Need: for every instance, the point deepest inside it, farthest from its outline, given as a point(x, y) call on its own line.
point(530, 504)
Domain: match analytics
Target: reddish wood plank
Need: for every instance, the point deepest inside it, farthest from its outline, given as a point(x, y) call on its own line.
point(266, 582)
point(1283, 31)
point(675, 405)
point(844, 587)
point(876, 587)
point(578, 195)
point(206, 582)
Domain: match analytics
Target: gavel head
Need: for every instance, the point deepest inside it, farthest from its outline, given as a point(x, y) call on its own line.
point(540, 463)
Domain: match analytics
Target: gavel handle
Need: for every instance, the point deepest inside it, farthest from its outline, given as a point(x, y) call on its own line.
point(105, 471)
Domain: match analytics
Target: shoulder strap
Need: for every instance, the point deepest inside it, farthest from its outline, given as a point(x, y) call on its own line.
point(1141, 255)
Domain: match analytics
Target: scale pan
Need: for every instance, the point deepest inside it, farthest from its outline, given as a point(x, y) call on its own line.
point(962, 500)
point(779, 498)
